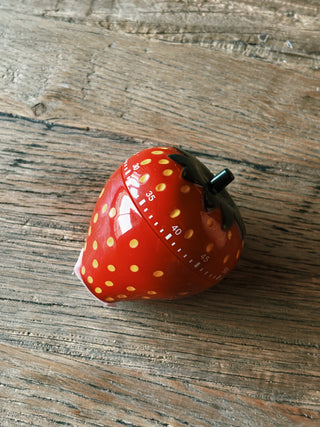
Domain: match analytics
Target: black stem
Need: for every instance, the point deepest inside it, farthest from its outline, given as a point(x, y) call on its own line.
point(221, 180)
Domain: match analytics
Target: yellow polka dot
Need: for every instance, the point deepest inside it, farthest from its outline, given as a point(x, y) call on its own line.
point(188, 234)
point(183, 293)
point(108, 283)
point(144, 178)
point(133, 243)
point(167, 172)
point(157, 152)
point(89, 231)
point(104, 208)
point(210, 222)
point(101, 193)
point(152, 293)
point(110, 242)
point(95, 245)
point(112, 212)
point(209, 247)
point(238, 254)
point(229, 235)
point(121, 296)
point(175, 213)
point(95, 263)
point(161, 187)
point(98, 290)
point(225, 259)
point(158, 273)
point(130, 288)
point(134, 268)
point(85, 246)
point(95, 218)
point(109, 299)
point(145, 162)
point(90, 279)
point(185, 189)
point(163, 162)
point(83, 270)
point(144, 297)
point(111, 267)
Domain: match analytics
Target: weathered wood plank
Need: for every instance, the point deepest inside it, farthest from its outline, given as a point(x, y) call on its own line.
point(247, 348)
point(81, 76)
point(74, 392)
point(276, 31)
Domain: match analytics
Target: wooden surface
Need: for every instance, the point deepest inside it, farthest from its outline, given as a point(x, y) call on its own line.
point(84, 85)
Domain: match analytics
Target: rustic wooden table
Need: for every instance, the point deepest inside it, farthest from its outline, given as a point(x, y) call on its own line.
point(84, 85)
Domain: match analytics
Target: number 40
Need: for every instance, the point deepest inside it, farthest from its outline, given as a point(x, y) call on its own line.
point(176, 230)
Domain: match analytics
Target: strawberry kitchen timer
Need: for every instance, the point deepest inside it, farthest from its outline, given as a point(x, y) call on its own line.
point(164, 227)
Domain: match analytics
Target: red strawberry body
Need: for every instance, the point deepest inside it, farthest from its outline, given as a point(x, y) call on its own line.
point(151, 235)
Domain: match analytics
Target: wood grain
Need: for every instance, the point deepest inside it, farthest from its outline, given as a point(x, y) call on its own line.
point(75, 102)
point(280, 32)
point(97, 79)
point(70, 389)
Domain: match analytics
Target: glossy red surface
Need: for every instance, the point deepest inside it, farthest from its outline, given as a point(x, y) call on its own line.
point(150, 236)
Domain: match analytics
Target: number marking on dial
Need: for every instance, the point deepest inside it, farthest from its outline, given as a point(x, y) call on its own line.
point(175, 230)
point(150, 196)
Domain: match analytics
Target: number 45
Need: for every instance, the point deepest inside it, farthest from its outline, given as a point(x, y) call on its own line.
point(205, 257)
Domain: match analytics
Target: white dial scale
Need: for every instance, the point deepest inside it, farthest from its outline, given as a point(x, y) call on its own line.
point(170, 235)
